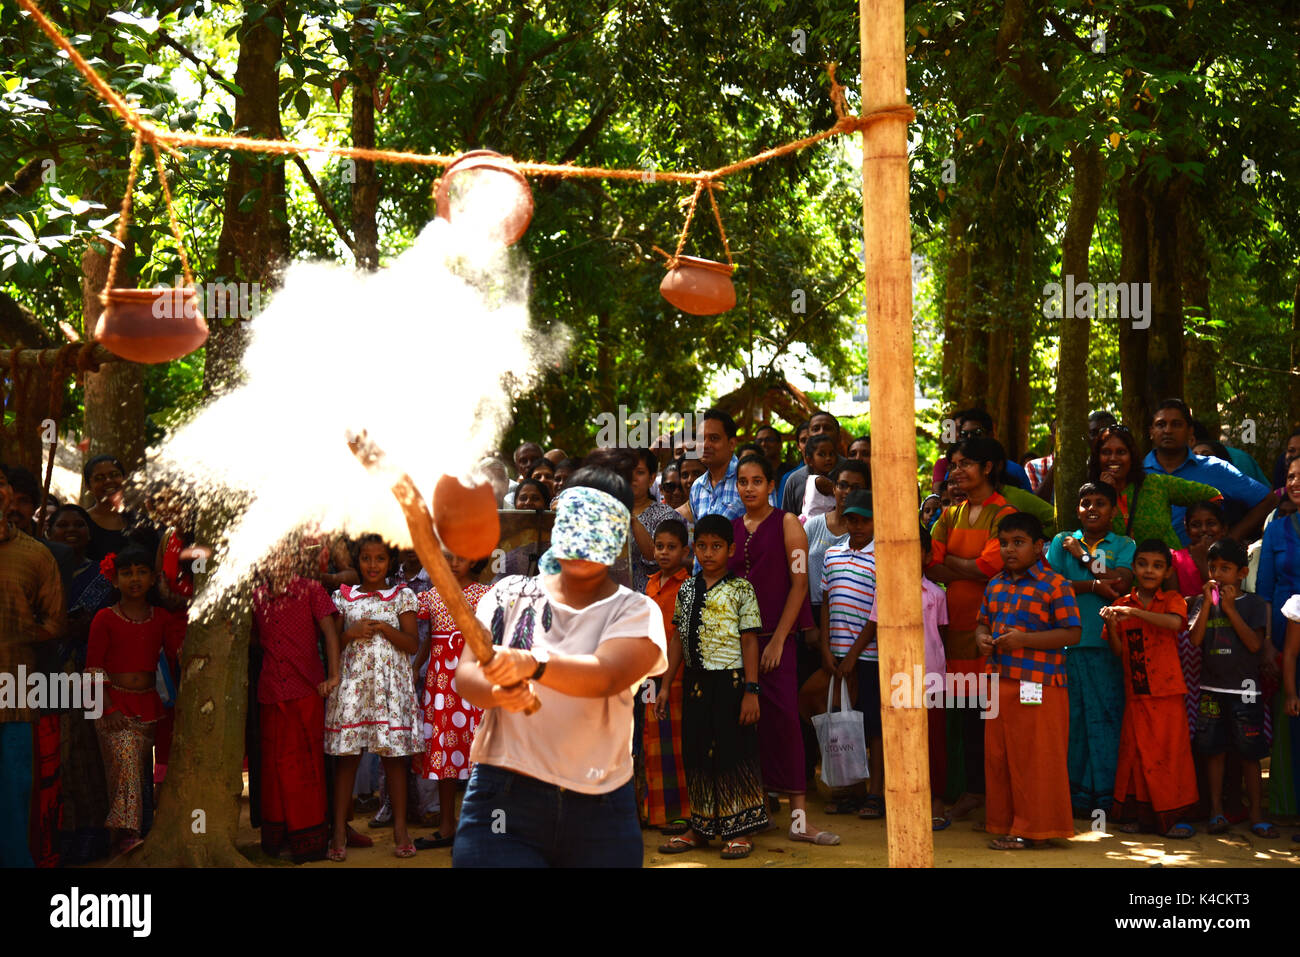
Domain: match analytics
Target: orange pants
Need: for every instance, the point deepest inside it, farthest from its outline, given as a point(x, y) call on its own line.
point(1027, 781)
point(1155, 777)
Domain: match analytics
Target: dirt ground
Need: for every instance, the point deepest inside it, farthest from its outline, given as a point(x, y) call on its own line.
point(863, 845)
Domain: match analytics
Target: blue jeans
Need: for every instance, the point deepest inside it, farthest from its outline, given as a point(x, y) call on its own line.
point(512, 820)
point(16, 756)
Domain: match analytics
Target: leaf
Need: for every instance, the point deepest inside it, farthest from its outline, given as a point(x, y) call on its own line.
point(302, 103)
point(21, 228)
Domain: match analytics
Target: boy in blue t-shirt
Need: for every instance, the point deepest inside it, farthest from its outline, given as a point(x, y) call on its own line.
point(1098, 564)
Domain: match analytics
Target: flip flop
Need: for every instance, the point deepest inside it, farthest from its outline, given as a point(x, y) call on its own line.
point(940, 823)
point(1016, 844)
point(1180, 831)
point(404, 850)
point(1264, 829)
point(873, 808)
point(337, 854)
point(821, 838)
point(680, 845)
point(737, 848)
point(1218, 825)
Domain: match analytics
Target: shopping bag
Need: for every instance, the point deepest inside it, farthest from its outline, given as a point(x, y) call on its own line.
point(842, 739)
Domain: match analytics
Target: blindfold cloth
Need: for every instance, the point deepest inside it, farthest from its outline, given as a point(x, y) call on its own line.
point(590, 525)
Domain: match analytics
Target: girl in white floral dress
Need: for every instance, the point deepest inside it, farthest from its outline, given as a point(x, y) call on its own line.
point(374, 707)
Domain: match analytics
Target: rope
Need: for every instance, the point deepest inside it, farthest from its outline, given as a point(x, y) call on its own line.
point(166, 139)
point(171, 216)
point(137, 150)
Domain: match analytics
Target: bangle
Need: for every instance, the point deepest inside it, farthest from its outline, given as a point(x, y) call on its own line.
point(537, 673)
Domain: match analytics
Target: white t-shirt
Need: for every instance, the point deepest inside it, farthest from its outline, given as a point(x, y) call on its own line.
point(583, 744)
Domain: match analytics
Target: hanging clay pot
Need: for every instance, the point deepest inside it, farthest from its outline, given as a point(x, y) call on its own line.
point(513, 202)
point(465, 517)
point(151, 325)
point(701, 287)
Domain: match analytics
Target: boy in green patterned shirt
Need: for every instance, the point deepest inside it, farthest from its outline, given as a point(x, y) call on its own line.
point(717, 623)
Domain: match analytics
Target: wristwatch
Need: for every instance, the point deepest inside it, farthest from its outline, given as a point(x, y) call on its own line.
point(753, 687)
point(541, 657)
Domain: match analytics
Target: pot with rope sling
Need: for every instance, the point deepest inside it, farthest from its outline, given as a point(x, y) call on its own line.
point(701, 287)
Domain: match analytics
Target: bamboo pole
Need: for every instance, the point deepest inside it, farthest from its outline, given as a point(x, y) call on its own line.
point(886, 225)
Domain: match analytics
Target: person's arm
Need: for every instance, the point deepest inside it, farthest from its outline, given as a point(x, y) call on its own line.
point(1159, 619)
point(1252, 639)
point(405, 638)
point(850, 661)
point(1201, 617)
point(330, 629)
point(1289, 654)
point(684, 510)
point(617, 665)
point(669, 676)
point(1042, 640)
point(749, 655)
point(1244, 531)
point(824, 635)
point(644, 541)
point(796, 552)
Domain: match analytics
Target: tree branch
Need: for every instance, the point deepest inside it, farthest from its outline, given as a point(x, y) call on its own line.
point(326, 206)
point(790, 336)
point(19, 324)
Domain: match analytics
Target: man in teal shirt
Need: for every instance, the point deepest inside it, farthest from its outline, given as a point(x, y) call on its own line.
point(1098, 564)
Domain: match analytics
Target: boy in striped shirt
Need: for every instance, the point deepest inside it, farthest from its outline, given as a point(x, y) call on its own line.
point(848, 637)
point(1027, 619)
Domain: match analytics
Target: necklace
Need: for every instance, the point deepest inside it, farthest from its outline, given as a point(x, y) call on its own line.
point(117, 610)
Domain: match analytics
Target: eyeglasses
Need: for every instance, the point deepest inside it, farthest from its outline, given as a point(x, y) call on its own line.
point(972, 433)
point(847, 487)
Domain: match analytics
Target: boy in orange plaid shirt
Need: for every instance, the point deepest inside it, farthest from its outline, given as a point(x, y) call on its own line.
point(1027, 619)
point(667, 805)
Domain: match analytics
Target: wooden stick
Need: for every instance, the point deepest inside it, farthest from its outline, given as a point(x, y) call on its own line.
point(887, 247)
point(425, 541)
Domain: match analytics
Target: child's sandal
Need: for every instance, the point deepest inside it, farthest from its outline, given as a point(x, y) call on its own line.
point(737, 848)
point(337, 854)
point(1180, 831)
point(1264, 829)
point(1218, 825)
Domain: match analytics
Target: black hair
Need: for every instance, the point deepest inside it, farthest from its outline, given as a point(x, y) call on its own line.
point(571, 464)
point(1025, 522)
point(975, 415)
point(541, 463)
point(925, 540)
point(132, 555)
point(24, 483)
point(1102, 414)
point(1178, 404)
point(982, 450)
point(861, 438)
point(1218, 448)
point(1199, 432)
point(717, 415)
point(647, 458)
point(853, 465)
point(822, 438)
point(1153, 546)
point(533, 483)
point(1230, 550)
point(817, 412)
point(753, 458)
point(803, 426)
point(716, 525)
point(68, 507)
point(1100, 488)
point(749, 448)
point(90, 465)
point(1212, 507)
point(372, 538)
point(674, 527)
point(767, 428)
point(603, 480)
point(622, 462)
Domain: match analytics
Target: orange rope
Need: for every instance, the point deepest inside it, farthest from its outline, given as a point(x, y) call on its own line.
point(165, 139)
point(137, 149)
point(171, 215)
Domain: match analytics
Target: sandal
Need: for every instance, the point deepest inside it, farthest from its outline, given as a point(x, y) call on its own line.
point(1180, 831)
point(1129, 827)
point(940, 823)
point(737, 848)
point(680, 845)
point(848, 805)
point(337, 854)
point(1218, 825)
point(434, 842)
point(1264, 829)
point(873, 808)
point(675, 828)
point(1009, 843)
point(821, 838)
point(404, 850)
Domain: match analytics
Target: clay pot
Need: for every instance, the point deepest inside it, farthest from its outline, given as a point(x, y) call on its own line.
point(518, 212)
point(701, 287)
point(465, 518)
point(151, 325)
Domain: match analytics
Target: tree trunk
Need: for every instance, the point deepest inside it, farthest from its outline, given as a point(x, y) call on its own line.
point(365, 185)
point(114, 397)
point(1201, 352)
point(254, 241)
point(1294, 404)
point(955, 299)
point(1134, 267)
point(1071, 466)
point(1165, 358)
point(198, 808)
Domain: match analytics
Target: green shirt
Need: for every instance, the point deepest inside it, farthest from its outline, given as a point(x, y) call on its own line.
point(1151, 515)
point(1024, 501)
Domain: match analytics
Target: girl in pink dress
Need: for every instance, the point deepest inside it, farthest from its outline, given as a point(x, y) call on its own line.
point(449, 720)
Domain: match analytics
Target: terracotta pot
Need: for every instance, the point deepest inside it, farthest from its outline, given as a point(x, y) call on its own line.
point(701, 287)
point(465, 518)
point(151, 325)
point(515, 220)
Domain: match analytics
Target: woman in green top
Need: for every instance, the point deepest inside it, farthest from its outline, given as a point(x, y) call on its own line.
point(1144, 497)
